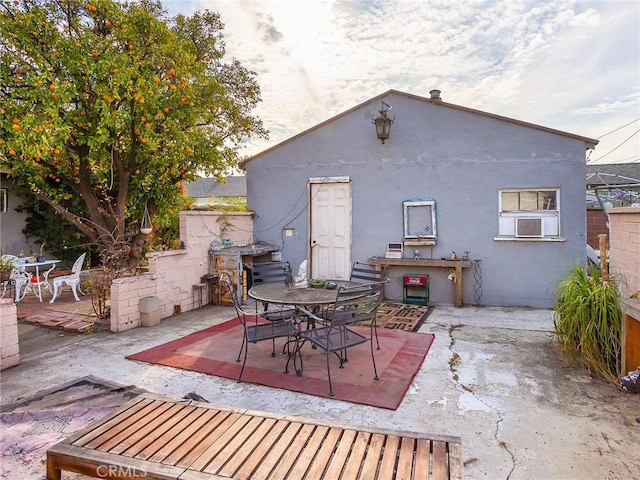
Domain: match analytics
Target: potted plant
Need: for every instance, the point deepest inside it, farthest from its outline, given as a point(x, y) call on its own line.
point(40, 257)
point(6, 265)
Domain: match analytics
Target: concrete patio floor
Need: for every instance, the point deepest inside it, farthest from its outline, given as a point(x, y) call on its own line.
point(493, 377)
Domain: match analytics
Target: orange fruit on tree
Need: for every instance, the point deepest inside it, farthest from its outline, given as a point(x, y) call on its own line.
point(52, 87)
point(131, 47)
point(12, 151)
point(144, 140)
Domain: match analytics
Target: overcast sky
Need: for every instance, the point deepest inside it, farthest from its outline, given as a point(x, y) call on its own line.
point(564, 64)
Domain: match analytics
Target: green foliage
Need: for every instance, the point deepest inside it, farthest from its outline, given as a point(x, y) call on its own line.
point(6, 263)
point(108, 106)
point(60, 237)
point(588, 321)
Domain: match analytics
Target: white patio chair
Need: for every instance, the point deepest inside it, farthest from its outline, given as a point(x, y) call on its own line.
point(73, 280)
point(18, 277)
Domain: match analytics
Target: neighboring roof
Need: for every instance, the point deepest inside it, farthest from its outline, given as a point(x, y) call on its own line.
point(235, 186)
point(613, 174)
point(590, 142)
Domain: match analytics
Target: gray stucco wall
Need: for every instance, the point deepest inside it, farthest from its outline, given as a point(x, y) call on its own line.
point(12, 240)
point(461, 159)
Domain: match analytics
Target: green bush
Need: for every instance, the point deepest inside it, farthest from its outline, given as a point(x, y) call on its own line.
point(588, 321)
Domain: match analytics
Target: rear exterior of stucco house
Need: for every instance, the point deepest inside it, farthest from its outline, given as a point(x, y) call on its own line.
point(509, 193)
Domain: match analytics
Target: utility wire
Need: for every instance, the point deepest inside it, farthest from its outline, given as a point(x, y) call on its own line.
point(618, 146)
point(619, 128)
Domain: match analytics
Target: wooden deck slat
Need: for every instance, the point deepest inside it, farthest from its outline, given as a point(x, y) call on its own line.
point(163, 437)
point(229, 458)
point(193, 437)
point(89, 434)
point(308, 453)
point(341, 454)
point(289, 456)
point(440, 461)
point(214, 448)
point(372, 459)
point(284, 442)
point(154, 437)
point(456, 467)
point(197, 456)
point(405, 457)
point(261, 448)
point(319, 464)
point(356, 457)
point(121, 429)
point(423, 454)
point(144, 435)
point(388, 462)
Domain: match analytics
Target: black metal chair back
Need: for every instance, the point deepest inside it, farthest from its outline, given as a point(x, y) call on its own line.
point(256, 328)
point(366, 273)
point(270, 272)
point(353, 304)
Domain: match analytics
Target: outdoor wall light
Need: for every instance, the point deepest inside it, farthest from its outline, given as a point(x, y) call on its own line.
point(383, 122)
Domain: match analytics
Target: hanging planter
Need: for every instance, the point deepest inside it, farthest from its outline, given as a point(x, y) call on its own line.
point(146, 227)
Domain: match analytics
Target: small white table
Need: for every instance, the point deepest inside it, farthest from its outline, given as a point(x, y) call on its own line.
point(35, 280)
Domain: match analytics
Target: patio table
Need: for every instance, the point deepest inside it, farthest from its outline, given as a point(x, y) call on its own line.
point(305, 300)
point(35, 280)
point(278, 293)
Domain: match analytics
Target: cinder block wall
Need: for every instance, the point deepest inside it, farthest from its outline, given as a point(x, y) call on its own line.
point(9, 350)
point(624, 246)
point(172, 274)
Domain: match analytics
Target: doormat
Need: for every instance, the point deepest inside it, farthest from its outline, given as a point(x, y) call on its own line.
point(399, 316)
point(29, 426)
point(214, 351)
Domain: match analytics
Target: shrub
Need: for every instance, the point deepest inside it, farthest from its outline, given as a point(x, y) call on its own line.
point(588, 321)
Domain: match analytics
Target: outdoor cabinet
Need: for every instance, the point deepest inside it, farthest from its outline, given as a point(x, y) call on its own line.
point(232, 260)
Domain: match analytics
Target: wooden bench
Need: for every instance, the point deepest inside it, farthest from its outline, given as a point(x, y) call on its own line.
point(156, 437)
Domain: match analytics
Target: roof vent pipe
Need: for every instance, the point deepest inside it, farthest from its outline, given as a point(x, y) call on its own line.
point(435, 95)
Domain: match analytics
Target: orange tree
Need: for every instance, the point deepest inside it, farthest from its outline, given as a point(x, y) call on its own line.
point(108, 106)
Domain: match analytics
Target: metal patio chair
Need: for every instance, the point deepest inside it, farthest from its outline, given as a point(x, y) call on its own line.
point(272, 272)
point(256, 328)
point(354, 304)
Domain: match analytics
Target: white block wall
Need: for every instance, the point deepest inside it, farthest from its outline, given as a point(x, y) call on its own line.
point(9, 350)
point(172, 274)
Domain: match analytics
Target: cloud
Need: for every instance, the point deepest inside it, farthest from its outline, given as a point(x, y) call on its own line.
point(566, 64)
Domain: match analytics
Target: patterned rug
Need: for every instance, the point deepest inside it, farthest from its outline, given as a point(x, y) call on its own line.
point(214, 351)
point(400, 316)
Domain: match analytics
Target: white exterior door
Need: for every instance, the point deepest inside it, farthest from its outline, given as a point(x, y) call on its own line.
point(330, 232)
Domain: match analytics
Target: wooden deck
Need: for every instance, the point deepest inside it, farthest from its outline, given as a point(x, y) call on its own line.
point(156, 437)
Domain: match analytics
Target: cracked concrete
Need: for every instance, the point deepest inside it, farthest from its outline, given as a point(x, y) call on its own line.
point(493, 376)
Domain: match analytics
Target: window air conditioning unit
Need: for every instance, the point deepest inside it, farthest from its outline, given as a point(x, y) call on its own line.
point(529, 227)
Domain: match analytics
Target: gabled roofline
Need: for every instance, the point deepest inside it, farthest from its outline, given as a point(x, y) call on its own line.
point(590, 142)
